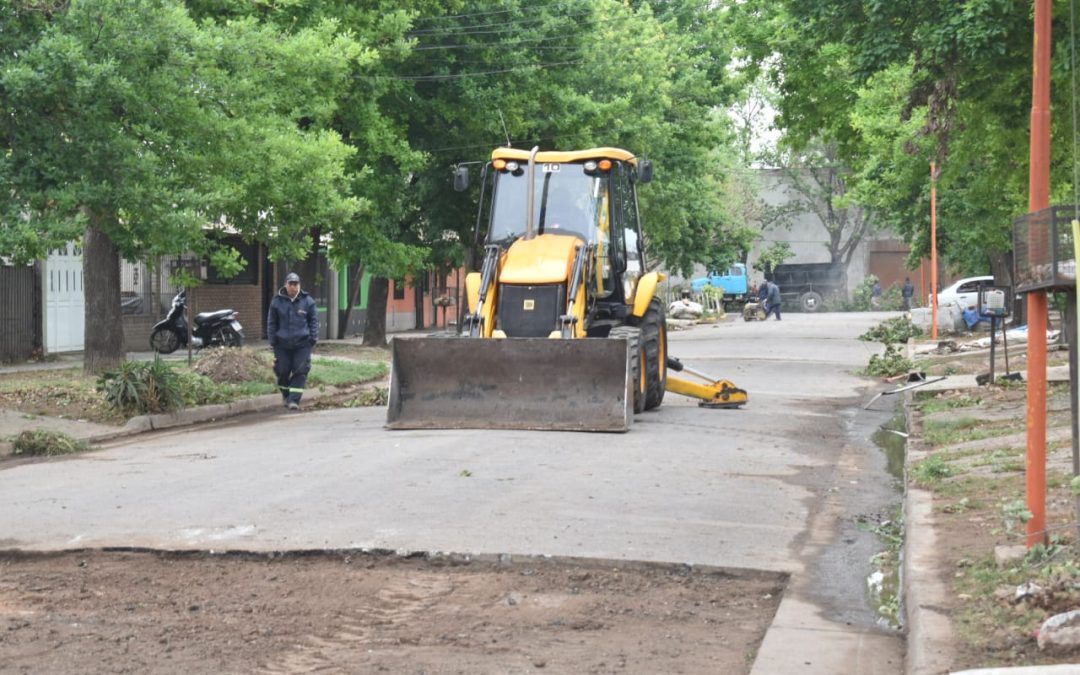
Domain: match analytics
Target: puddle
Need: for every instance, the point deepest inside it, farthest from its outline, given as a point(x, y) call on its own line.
point(891, 437)
point(883, 584)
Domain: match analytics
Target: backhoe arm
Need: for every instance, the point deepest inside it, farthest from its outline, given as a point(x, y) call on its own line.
point(715, 393)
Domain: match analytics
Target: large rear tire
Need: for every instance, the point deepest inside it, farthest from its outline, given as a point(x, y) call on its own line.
point(164, 341)
point(637, 362)
point(811, 301)
point(654, 342)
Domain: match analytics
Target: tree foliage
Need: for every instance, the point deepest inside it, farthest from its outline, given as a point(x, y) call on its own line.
point(128, 119)
point(900, 84)
point(303, 123)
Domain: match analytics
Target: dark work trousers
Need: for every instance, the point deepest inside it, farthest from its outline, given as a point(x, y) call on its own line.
point(291, 367)
point(773, 309)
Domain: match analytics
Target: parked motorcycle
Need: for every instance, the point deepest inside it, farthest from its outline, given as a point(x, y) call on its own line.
point(211, 329)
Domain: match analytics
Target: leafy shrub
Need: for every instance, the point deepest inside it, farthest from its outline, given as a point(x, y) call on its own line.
point(145, 387)
point(892, 362)
point(196, 389)
point(890, 331)
point(932, 470)
point(41, 442)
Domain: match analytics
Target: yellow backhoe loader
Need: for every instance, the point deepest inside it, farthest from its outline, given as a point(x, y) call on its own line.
point(563, 328)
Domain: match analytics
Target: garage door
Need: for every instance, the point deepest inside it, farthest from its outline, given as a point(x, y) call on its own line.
point(65, 303)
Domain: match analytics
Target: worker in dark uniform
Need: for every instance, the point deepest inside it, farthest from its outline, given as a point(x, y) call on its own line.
point(773, 299)
point(292, 326)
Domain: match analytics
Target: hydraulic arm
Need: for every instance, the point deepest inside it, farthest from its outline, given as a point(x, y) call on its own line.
point(714, 393)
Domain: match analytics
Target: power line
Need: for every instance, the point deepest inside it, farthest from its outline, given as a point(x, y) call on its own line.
point(457, 34)
point(707, 4)
point(495, 45)
point(472, 30)
point(454, 76)
point(523, 10)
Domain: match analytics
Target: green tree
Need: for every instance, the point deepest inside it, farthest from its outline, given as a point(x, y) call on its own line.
point(127, 121)
point(373, 107)
point(819, 185)
point(565, 77)
point(898, 85)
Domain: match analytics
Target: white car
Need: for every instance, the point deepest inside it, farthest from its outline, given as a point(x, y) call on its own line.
point(964, 292)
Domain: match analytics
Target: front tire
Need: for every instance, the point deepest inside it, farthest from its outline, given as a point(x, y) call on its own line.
point(654, 343)
point(164, 341)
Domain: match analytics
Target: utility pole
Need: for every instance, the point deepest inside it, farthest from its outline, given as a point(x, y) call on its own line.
point(1038, 199)
point(933, 250)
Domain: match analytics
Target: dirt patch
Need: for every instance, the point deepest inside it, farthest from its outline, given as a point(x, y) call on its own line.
point(232, 365)
point(169, 613)
point(65, 393)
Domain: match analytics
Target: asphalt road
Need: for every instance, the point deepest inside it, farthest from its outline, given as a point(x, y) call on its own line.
point(776, 485)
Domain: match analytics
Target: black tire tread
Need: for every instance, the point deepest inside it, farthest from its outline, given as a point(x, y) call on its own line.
point(654, 342)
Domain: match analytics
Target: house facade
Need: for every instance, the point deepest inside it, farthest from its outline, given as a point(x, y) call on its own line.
point(45, 307)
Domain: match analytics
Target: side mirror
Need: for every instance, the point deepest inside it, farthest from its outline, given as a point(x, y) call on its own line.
point(645, 171)
point(461, 179)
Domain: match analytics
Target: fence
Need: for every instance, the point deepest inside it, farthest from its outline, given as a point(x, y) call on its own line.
point(1043, 250)
point(19, 313)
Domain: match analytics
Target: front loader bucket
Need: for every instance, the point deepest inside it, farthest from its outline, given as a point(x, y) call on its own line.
point(511, 383)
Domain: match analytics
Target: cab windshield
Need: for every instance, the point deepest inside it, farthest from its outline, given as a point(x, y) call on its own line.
point(566, 201)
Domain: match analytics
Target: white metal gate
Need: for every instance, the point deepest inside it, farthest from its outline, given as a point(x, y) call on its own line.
point(65, 302)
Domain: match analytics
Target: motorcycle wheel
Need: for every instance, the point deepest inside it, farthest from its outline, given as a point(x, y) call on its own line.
point(164, 341)
point(231, 338)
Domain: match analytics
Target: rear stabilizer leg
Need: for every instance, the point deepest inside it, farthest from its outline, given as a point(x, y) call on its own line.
point(715, 393)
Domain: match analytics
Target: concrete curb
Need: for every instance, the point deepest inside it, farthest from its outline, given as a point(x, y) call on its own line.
point(210, 413)
point(929, 632)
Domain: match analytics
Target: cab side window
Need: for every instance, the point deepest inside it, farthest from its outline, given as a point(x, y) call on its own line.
point(628, 218)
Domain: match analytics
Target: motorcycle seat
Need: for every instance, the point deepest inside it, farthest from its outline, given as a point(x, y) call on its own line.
point(212, 316)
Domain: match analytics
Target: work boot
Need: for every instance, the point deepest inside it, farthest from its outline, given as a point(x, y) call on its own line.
point(293, 405)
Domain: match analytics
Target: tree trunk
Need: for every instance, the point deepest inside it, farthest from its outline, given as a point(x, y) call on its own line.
point(375, 321)
point(104, 334)
point(354, 294)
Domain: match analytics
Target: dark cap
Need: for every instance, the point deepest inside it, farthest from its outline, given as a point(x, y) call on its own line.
point(292, 276)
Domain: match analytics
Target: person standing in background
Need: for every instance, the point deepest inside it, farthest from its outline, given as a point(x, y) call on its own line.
point(292, 326)
point(875, 295)
point(907, 292)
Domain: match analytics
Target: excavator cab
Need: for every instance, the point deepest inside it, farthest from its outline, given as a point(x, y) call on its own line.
point(589, 196)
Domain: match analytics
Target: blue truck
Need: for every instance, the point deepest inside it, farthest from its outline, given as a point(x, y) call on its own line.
point(732, 281)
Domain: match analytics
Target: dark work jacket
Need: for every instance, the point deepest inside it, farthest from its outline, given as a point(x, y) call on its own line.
point(292, 323)
point(774, 295)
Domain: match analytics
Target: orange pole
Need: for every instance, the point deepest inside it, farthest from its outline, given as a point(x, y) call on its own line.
point(933, 251)
point(1038, 199)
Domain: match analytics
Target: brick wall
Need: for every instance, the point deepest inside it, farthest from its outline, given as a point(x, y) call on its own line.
point(246, 299)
